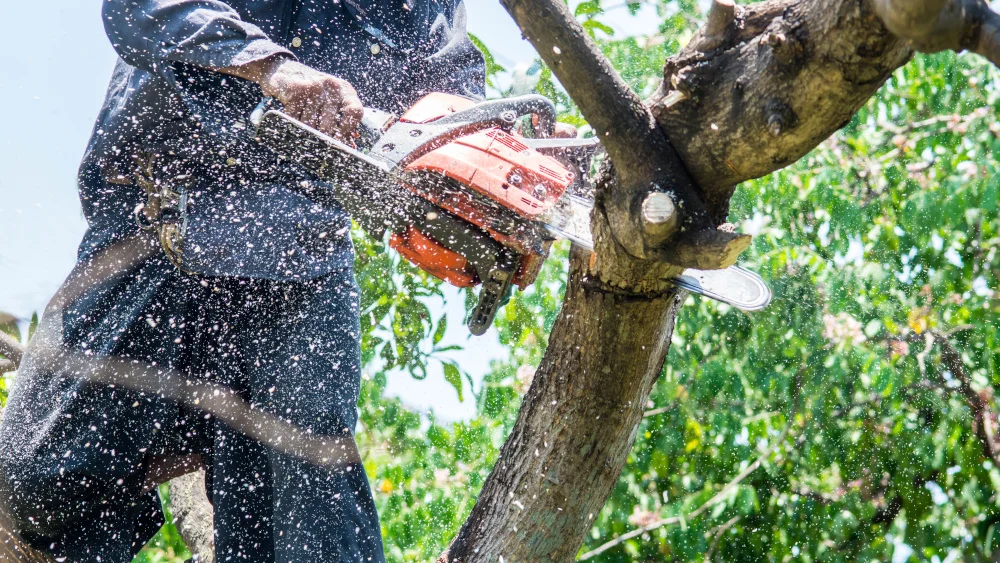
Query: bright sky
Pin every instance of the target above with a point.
(51, 88)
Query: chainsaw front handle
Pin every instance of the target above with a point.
(508, 110)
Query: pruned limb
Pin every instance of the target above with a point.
(719, 27)
(660, 218)
(938, 25)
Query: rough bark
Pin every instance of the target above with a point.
(193, 515)
(575, 428)
(938, 25)
(787, 75)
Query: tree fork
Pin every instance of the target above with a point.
(642, 154)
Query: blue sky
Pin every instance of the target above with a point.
(51, 88)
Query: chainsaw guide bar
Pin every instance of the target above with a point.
(465, 198)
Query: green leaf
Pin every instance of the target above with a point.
(32, 325)
(492, 67)
(589, 8)
(592, 26)
(454, 376)
(442, 326)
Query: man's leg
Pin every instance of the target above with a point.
(73, 457)
(305, 368)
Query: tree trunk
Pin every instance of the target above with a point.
(193, 515)
(575, 428)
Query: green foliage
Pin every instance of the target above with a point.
(886, 231)
(167, 546)
(853, 441)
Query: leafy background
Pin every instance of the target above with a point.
(829, 427)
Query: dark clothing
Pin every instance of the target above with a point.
(162, 98)
(271, 310)
(75, 452)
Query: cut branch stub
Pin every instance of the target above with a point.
(660, 218)
(710, 249)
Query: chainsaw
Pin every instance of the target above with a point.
(464, 196)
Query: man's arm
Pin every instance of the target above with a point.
(154, 35)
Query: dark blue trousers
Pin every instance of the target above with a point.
(75, 450)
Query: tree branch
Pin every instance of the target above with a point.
(787, 74)
(938, 25)
(11, 349)
(718, 536)
(982, 416)
(643, 157)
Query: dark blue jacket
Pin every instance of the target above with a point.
(245, 220)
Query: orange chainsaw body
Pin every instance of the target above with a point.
(487, 168)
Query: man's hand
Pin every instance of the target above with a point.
(322, 101)
(317, 99)
(564, 131)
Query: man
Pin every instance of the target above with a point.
(205, 273)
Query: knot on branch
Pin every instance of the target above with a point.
(788, 49)
(781, 117)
